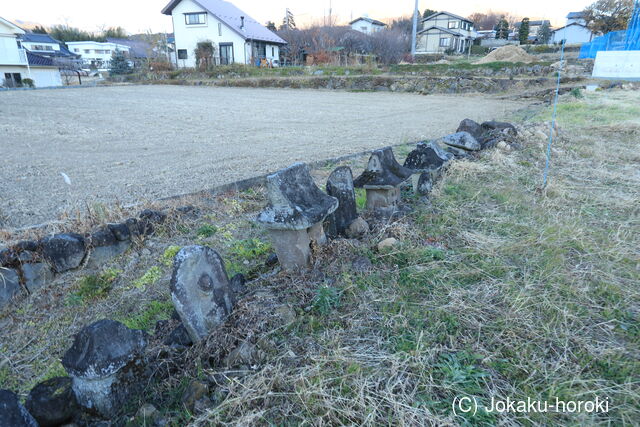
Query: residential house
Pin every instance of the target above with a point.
(534, 29)
(97, 55)
(236, 37)
(574, 32)
(367, 25)
(45, 45)
(18, 64)
(445, 32)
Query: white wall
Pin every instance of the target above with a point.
(365, 27)
(81, 48)
(622, 65)
(10, 54)
(50, 47)
(574, 34)
(42, 76)
(188, 36)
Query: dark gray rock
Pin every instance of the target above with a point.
(153, 216)
(26, 256)
(424, 184)
(106, 363)
(502, 127)
(52, 402)
(427, 157)
(102, 237)
(12, 413)
(271, 260)
(295, 201)
(134, 227)
(358, 228)
(471, 127)
(340, 186)
(64, 251)
(462, 140)
(120, 231)
(200, 290)
(383, 171)
(28, 245)
(36, 275)
(459, 153)
(9, 285)
(104, 247)
(179, 337)
(8, 257)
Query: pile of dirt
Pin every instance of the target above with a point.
(509, 53)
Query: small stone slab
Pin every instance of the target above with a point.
(106, 364)
(9, 285)
(36, 275)
(340, 186)
(503, 127)
(462, 140)
(64, 251)
(200, 290)
(383, 172)
(12, 413)
(104, 247)
(295, 201)
(52, 402)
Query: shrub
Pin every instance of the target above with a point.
(28, 83)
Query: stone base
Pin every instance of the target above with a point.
(292, 247)
(386, 198)
(317, 234)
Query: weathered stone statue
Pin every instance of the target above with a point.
(382, 179)
(200, 290)
(297, 208)
(106, 364)
(340, 186)
(427, 162)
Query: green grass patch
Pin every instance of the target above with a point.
(149, 278)
(146, 318)
(169, 254)
(94, 287)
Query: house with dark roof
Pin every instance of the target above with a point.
(367, 25)
(236, 38)
(18, 64)
(45, 45)
(445, 32)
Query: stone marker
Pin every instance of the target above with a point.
(200, 290)
(462, 140)
(12, 413)
(64, 251)
(52, 402)
(297, 208)
(382, 179)
(427, 161)
(9, 285)
(107, 366)
(36, 275)
(340, 186)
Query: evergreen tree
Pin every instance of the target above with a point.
(39, 29)
(544, 35)
(523, 31)
(288, 22)
(271, 26)
(120, 64)
(502, 29)
(428, 12)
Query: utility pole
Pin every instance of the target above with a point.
(330, 12)
(415, 31)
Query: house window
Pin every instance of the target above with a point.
(195, 18)
(453, 24)
(364, 29)
(273, 51)
(182, 54)
(220, 29)
(19, 44)
(445, 41)
(12, 79)
(107, 51)
(87, 51)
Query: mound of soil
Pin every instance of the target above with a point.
(509, 53)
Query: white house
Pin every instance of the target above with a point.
(96, 54)
(574, 32)
(45, 45)
(444, 31)
(367, 25)
(236, 37)
(17, 63)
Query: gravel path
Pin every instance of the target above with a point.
(129, 143)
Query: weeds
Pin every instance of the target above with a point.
(149, 278)
(326, 300)
(149, 315)
(206, 231)
(169, 254)
(94, 287)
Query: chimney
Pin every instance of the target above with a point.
(242, 22)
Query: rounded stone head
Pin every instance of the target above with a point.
(103, 348)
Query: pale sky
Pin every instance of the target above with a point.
(142, 15)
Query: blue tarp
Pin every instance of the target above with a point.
(616, 40)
